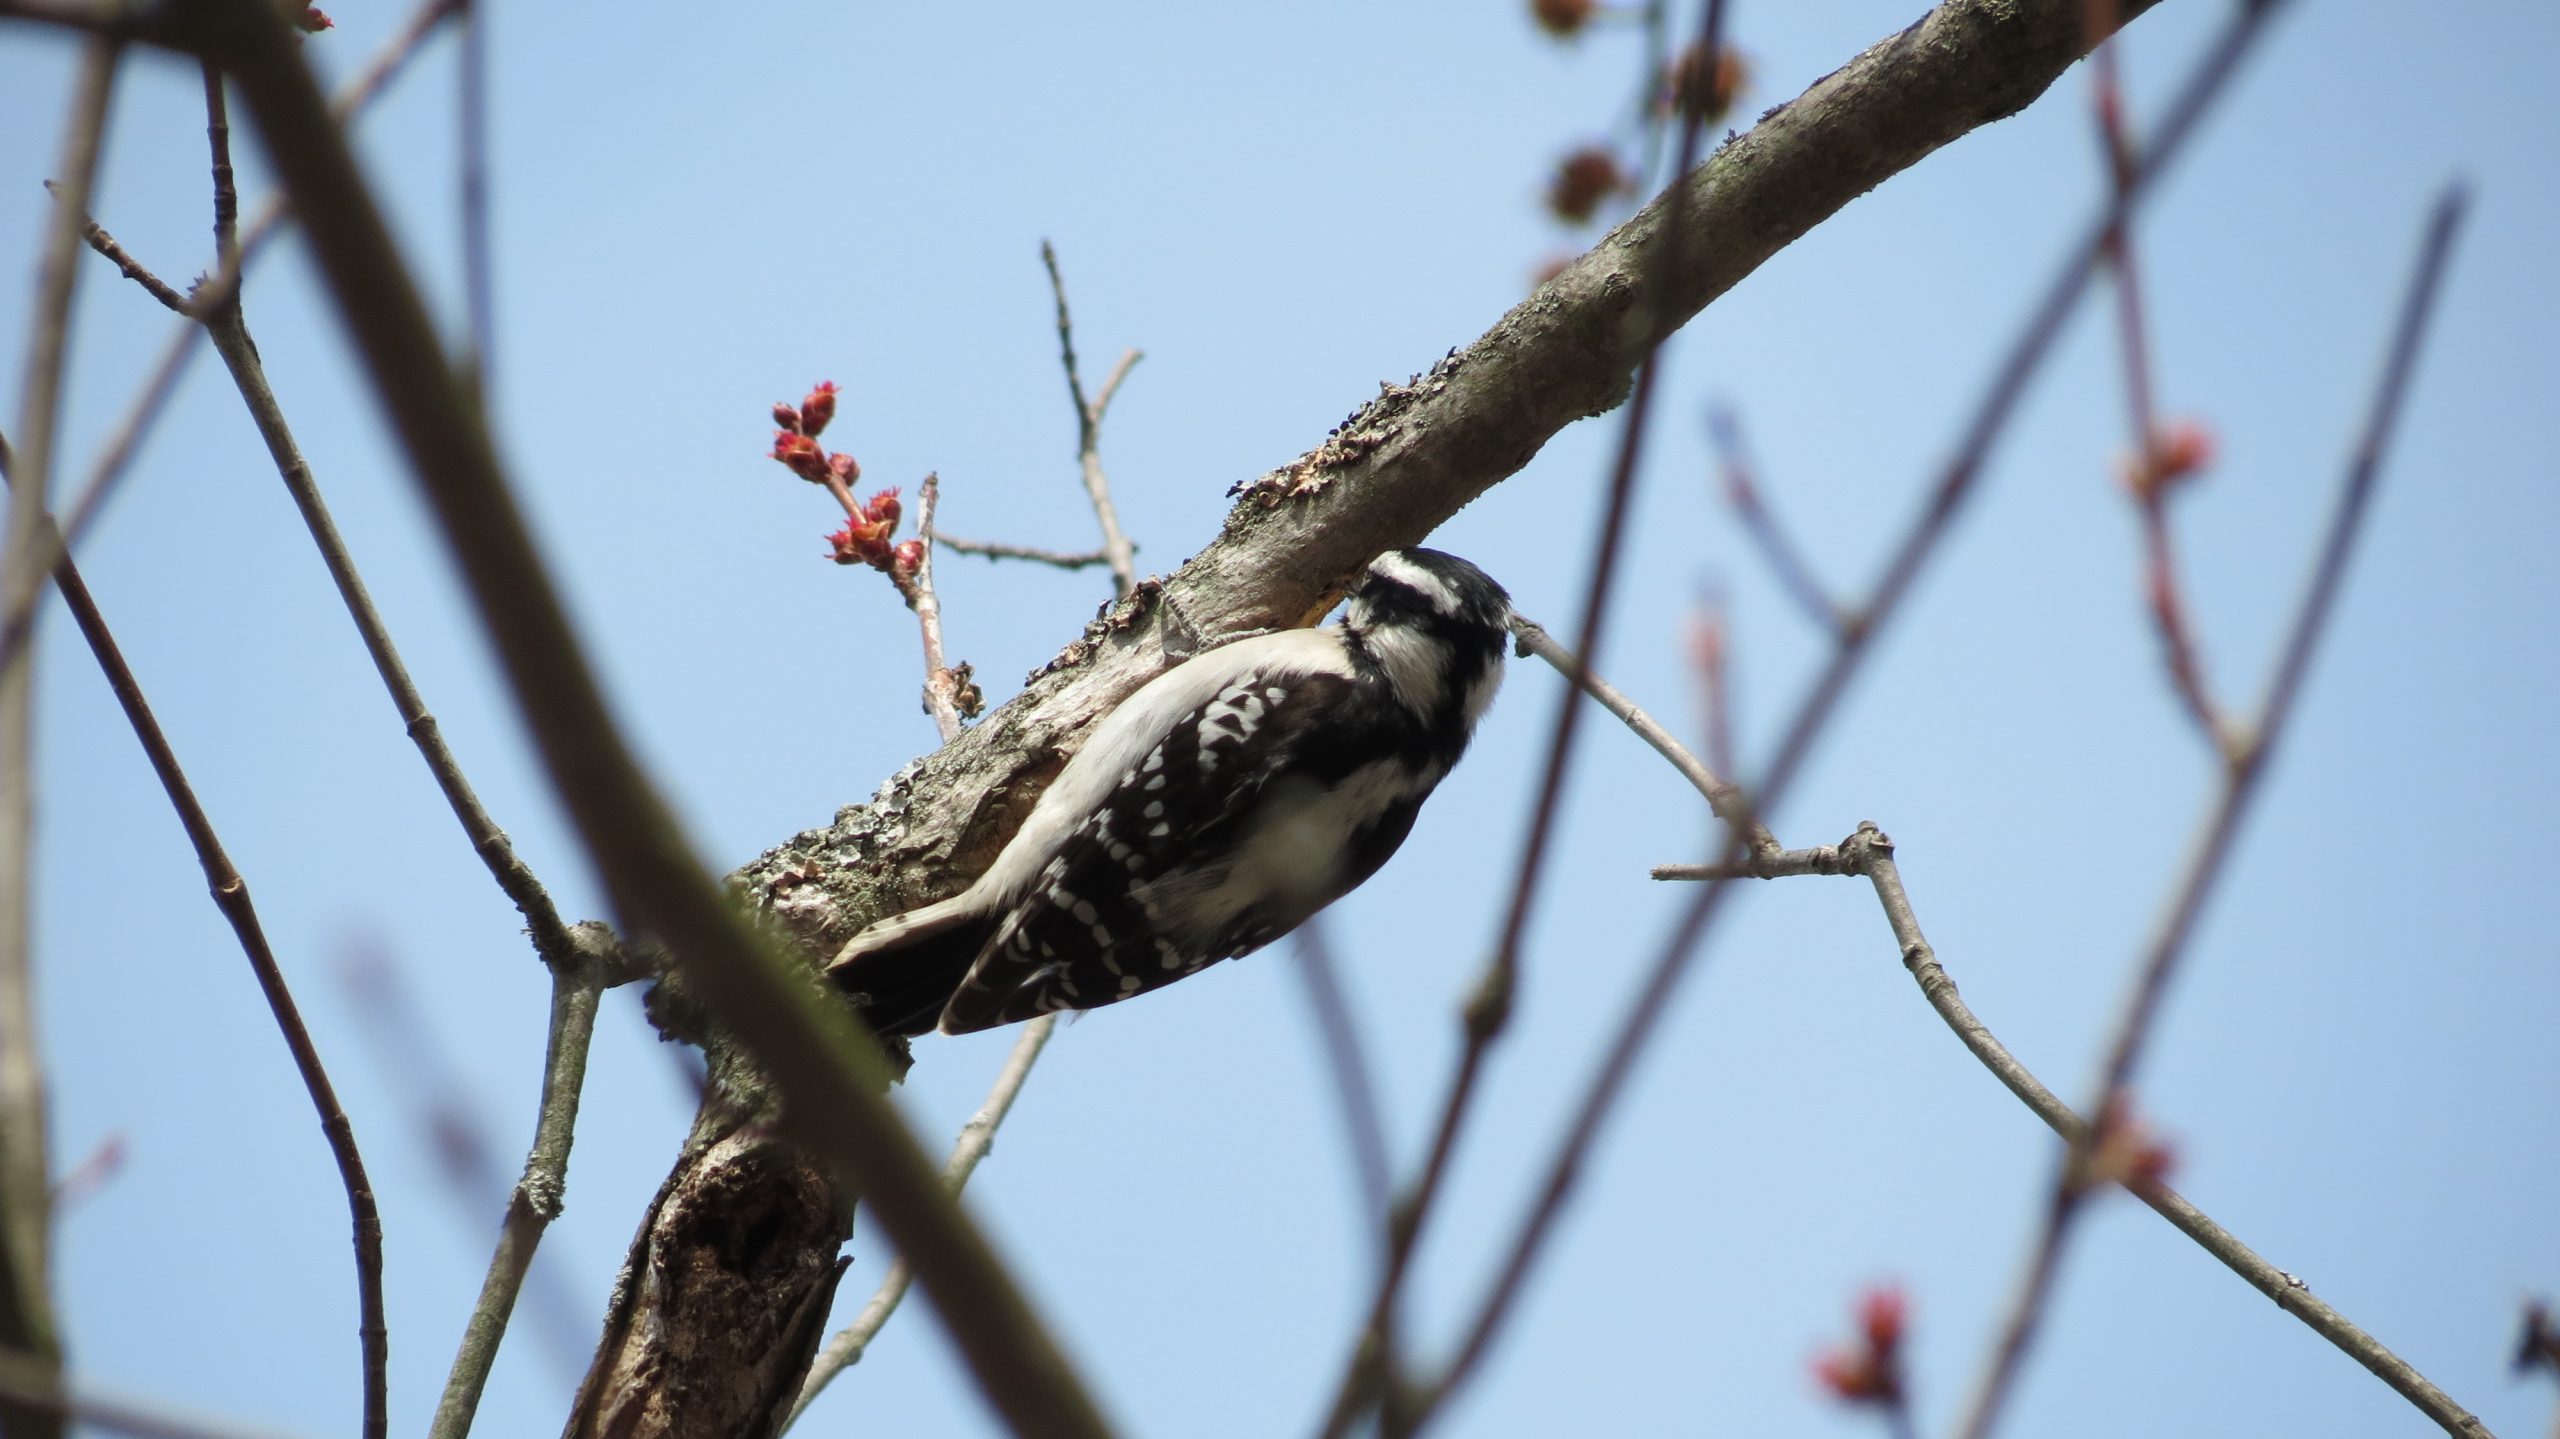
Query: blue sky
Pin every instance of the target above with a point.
(697, 216)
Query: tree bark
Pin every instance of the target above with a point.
(719, 1305)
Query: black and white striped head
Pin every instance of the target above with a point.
(1437, 626)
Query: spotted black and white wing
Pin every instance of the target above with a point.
(1254, 810)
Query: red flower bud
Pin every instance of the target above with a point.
(1562, 17)
(786, 418)
(1582, 180)
(313, 20)
(842, 466)
(907, 558)
(819, 408)
(802, 455)
(883, 507)
(1703, 87)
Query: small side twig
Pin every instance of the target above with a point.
(1726, 798)
(977, 1137)
(2206, 862)
(1000, 550)
(1116, 548)
(132, 269)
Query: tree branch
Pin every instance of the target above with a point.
(26, 1222)
(2206, 862)
(231, 896)
(1097, 487)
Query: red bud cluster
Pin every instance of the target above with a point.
(865, 538)
(1870, 1370)
(2129, 1152)
(1582, 180)
(1701, 87)
(2178, 450)
(1562, 18)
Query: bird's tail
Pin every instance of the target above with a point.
(902, 971)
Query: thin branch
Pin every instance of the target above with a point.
(999, 550)
(26, 1223)
(537, 1198)
(1355, 1086)
(976, 1138)
(1727, 800)
(1097, 487)
(131, 268)
(231, 896)
(1786, 561)
(941, 686)
(2207, 861)
(801, 1039)
(1920, 544)
(551, 937)
(151, 401)
(1872, 853)
(31, 1383)
(2149, 478)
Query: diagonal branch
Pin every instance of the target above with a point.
(231, 896)
(802, 1040)
(1921, 543)
(2207, 861)
(26, 1221)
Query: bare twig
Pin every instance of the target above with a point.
(131, 268)
(1726, 799)
(977, 1137)
(1097, 487)
(26, 1264)
(941, 686)
(1354, 1084)
(152, 399)
(1786, 561)
(1921, 543)
(1871, 853)
(231, 896)
(999, 550)
(2148, 478)
(2206, 861)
